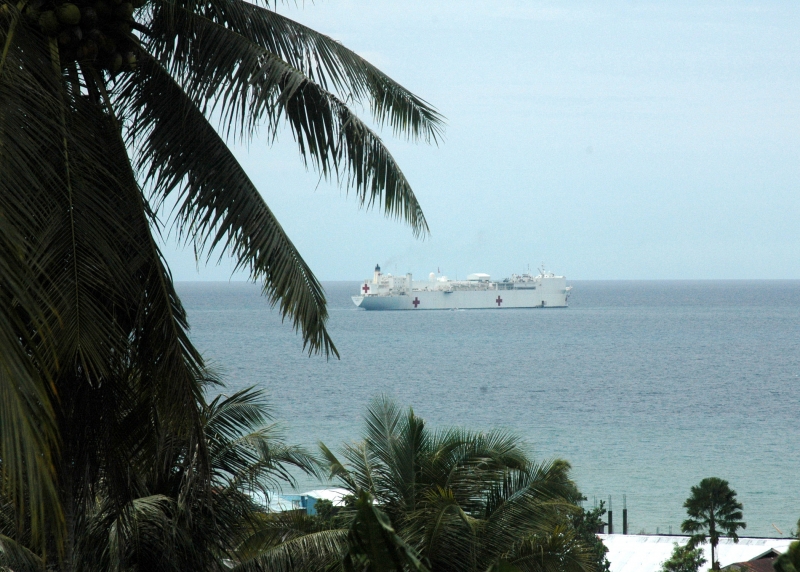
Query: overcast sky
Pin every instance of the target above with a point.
(610, 140)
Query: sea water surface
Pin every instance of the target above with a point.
(644, 387)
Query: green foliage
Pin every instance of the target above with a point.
(684, 558)
(789, 561)
(586, 523)
(463, 501)
(105, 117)
(713, 512)
(175, 519)
(325, 510)
(373, 545)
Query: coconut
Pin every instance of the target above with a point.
(116, 62)
(77, 33)
(130, 60)
(49, 23)
(69, 14)
(65, 37)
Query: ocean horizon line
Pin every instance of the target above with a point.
(682, 280)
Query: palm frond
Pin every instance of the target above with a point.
(556, 551)
(29, 108)
(329, 64)
(373, 543)
(246, 455)
(445, 534)
(242, 412)
(464, 500)
(115, 298)
(140, 531)
(14, 556)
(219, 205)
(264, 88)
(337, 469)
(290, 541)
(368, 473)
(531, 503)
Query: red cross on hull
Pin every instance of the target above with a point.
(365, 288)
(499, 301)
(416, 301)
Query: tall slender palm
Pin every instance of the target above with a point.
(464, 501)
(105, 111)
(713, 512)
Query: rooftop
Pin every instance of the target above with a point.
(646, 553)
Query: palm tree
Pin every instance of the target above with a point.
(174, 520)
(105, 109)
(713, 512)
(291, 541)
(463, 501)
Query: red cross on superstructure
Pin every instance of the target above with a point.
(415, 302)
(365, 288)
(499, 301)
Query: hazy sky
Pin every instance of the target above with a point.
(611, 140)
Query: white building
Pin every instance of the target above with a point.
(646, 553)
(304, 501)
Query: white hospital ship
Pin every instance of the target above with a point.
(387, 292)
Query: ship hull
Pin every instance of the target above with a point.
(466, 300)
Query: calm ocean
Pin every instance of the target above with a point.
(645, 387)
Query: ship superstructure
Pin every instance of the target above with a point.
(478, 291)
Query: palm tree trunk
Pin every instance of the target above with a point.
(712, 537)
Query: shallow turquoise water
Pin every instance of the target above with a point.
(645, 387)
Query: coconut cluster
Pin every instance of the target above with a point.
(90, 30)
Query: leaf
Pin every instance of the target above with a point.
(327, 63)
(218, 204)
(373, 543)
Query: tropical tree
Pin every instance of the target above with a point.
(684, 558)
(789, 561)
(586, 523)
(175, 520)
(462, 500)
(363, 541)
(713, 512)
(105, 116)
